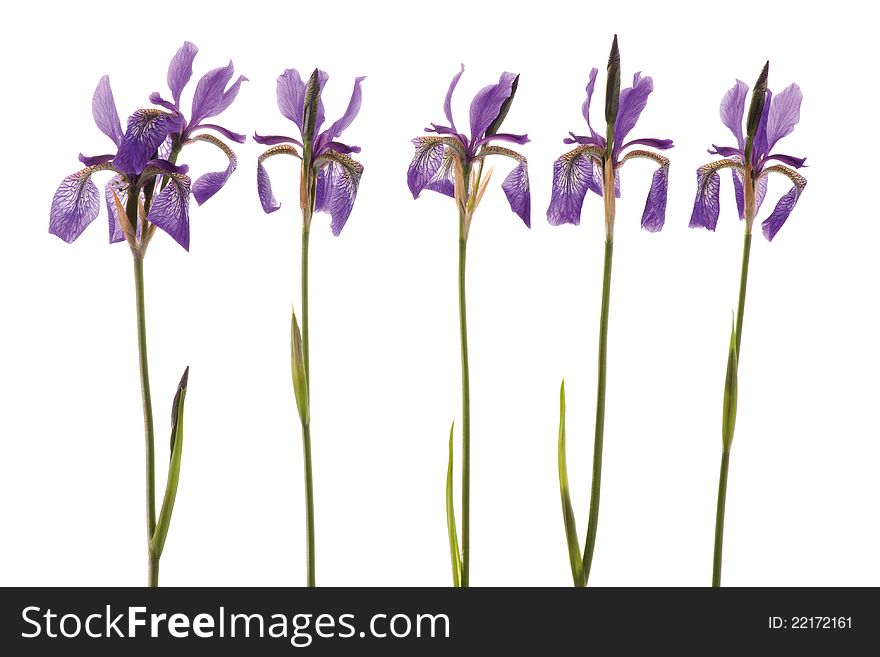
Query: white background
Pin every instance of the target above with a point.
(803, 496)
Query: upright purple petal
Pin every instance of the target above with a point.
(104, 111)
(585, 108)
(354, 106)
(784, 114)
(147, 130)
(291, 92)
(732, 109)
(180, 70)
(211, 96)
(572, 176)
(75, 204)
(516, 189)
(425, 163)
(447, 103)
(170, 209)
(774, 222)
(486, 105)
(632, 101)
(654, 215)
(707, 203)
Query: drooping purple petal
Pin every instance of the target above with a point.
(732, 109)
(654, 215)
(707, 203)
(272, 140)
(233, 136)
(516, 189)
(75, 204)
(147, 129)
(264, 185)
(180, 70)
(291, 92)
(170, 209)
(425, 163)
(104, 111)
(784, 114)
(774, 222)
(632, 101)
(119, 185)
(447, 103)
(211, 96)
(572, 176)
(211, 183)
(340, 187)
(486, 105)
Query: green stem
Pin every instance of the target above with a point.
(719, 518)
(600, 413)
(306, 427)
(725, 455)
(466, 416)
(153, 562)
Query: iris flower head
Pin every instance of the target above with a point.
(754, 157)
(599, 157)
(330, 177)
(145, 160)
(451, 162)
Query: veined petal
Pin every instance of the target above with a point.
(157, 99)
(585, 108)
(516, 184)
(503, 136)
(425, 163)
(632, 101)
(790, 160)
(487, 104)
(264, 185)
(784, 114)
(340, 187)
(210, 183)
(447, 103)
(147, 130)
(661, 144)
(781, 212)
(572, 176)
(272, 140)
(211, 96)
(76, 204)
(654, 215)
(92, 160)
(707, 203)
(726, 151)
(104, 111)
(732, 109)
(170, 209)
(180, 70)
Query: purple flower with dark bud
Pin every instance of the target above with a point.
(445, 163)
(146, 161)
(595, 164)
(329, 177)
(752, 160)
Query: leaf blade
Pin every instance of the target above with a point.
(454, 551)
(568, 517)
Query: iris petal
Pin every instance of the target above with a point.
(707, 203)
(104, 111)
(75, 205)
(516, 189)
(170, 209)
(632, 102)
(732, 110)
(180, 69)
(210, 183)
(425, 163)
(487, 104)
(264, 185)
(340, 187)
(572, 176)
(147, 129)
(784, 114)
(447, 103)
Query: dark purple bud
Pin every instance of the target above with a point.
(502, 113)
(759, 96)
(612, 90)
(310, 107)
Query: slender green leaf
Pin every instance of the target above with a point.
(574, 550)
(298, 370)
(454, 551)
(157, 544)
(728, 422)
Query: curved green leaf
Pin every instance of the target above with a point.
(454, 552)
(574, 550)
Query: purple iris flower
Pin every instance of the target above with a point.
(330, 178)
(445, 163)
(585, 167)
(753, 159)
(145, 161)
